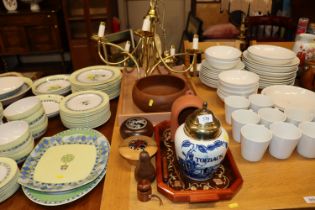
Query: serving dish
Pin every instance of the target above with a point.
(70, 148)
(287, 96)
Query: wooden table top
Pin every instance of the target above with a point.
(268, 184)
(92, 200)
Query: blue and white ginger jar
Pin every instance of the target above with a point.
(200, 144)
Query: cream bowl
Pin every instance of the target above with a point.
(22, 108)
(223, 64)
(238, 78)
(9, 86)
(13, 133)
(223, 53)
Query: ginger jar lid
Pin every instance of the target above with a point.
(202, 124)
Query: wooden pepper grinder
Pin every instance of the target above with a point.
(144, 168)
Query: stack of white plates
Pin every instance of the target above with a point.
(51, 104)
(19, 92)
(56, 84)
(237, 82)
(9, 174)
(208, 75)
(16, 141)
(32, 111)
(275, 65)
(79, 164)
(85, 109)
(103, 78)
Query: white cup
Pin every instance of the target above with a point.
(297, 115)
(306, 146)
(285, 137)
(269, 115)
(258, 101)
(254, 141)
(232, 103)
(240, 118)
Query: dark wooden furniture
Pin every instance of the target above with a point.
(82, 19)
(270, 28)
(28, 33)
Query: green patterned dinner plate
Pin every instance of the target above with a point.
(65, 161)
(95, 75)
(59, 198)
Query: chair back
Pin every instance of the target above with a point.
(270, 28)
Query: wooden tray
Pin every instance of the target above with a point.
(129, 109)
(224, 184)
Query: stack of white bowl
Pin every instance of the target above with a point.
(8, 180)
(85, 109)
(218, 59)
(237, 82)
(103, 78)
(32, 111)
(275, 65)
(55, 84)
(16, 141)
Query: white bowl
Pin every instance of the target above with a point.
(271, 53)
(13, 133)
(238, 78)
(222, 64)
(224, 53)
(22, 108)
(9, 86)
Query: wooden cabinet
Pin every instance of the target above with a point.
(26, 32)
(82, 19)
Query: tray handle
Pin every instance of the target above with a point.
(203, 198)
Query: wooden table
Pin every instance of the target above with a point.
(91, 201)
(268, 184)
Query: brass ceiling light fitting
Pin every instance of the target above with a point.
(148, 52)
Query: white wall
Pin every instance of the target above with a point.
(131, 13)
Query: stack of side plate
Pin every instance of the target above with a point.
(27, 84)
(51, 104)
(273, 64)
(208, 75)
(85, 109)
(103, 78)
(9, 174)
(56, 84)
(32, 111)
(79, 164)
(237, 82)
(16, 141)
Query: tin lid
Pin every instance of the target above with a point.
(202, 124)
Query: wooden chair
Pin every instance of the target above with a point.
(270, 28)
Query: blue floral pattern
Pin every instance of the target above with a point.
(196, 167)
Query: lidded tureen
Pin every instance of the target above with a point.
(200, 144)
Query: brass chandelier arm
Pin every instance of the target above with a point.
(169, 68)
(101, 46)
